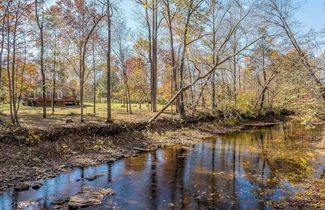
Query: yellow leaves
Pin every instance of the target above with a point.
(31, 69)
(303, 160)
(147, 3)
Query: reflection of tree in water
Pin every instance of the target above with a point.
(153, 180)
(250, 155)
(260, 171)
(109, 172)
(178, 193)
(280, 158)
(255, 164)
(215, 179)
(288, 153)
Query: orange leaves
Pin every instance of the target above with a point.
(134, 64)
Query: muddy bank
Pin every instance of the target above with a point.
(29, 155)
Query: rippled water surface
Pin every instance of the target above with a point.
(241, 170)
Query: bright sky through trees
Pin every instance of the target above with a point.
(311, 15)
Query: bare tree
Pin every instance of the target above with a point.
(152, 30)
(279, 13)
(223, 44)
(169, 16)
(121, 51)
(2, 41)
(40, 23)
(109, 14)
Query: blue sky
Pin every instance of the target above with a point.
(312, 14)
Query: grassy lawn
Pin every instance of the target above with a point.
(31, 117)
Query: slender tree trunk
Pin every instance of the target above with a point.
(154, 78)
(235, 77)
(181, 109)
(9, 75)
(14, 78)
(13, 72)
(94, 79)
(150, 41)
(264, 80)
(169, 20)
(53, 92)
(129, 98)
(94, 95)
(214, 44)
(1, 50)
(82, 99)
(127, 90)
(54, 77)
(40, 24)
(82, 66)
(192, 88)
(108, 63)
(213, 92)
(81, 84)
(126, 98)
(5, 15)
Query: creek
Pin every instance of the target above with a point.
(240, 170)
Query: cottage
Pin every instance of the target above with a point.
(64, 96)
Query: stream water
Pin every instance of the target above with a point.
(240, 170)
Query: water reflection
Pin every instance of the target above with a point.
(238, 171)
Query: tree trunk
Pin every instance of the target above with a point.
(9, 75)
(94, 79)
(94, 96)
(13, 73)
(129, 98)
(213, 92)
(40, 24)
(5, 15)
(54, 78)
(108, 63)
(53, 92)
(181, 108)
(82, 99)
(154, 78)
(82, 66)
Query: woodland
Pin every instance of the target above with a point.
(231, 92)
(236, 58)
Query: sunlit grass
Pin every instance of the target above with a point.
(32, 116)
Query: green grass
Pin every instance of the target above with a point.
(32, 116)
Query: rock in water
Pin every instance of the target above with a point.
(60, 201)
(91, 178)
(37, 185)
(89, 196)
(22, 187)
